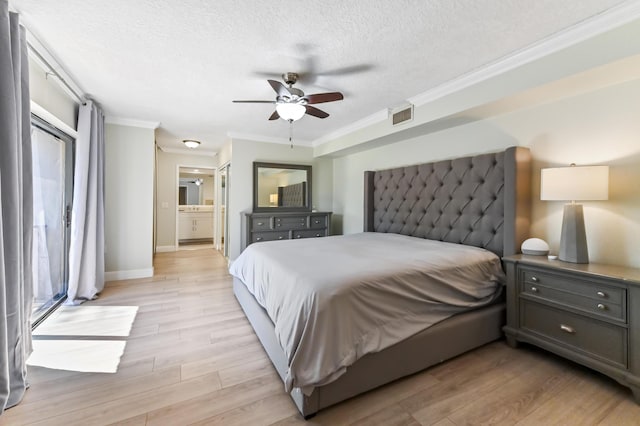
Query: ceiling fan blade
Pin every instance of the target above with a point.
(254, 102)
(280, 88)
(319, 98)
(316, 112)
(274, 116)
(353, 69)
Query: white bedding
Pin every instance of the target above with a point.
(335, 299)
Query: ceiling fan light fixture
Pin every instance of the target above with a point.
(289, 111)
(190, 143)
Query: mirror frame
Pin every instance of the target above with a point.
(258, 164)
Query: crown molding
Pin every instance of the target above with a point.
(268, 139)
(596, 25)
(121, 121)
(187, 151)
(369, 120)
(606, 21)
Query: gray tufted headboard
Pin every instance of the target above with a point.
(293, 195)
(482, 201)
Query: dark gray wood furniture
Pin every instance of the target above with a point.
(588, 313)
(272, 226)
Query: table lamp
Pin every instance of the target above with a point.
(574, 184)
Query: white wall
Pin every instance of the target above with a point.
(167, 193)
(129, 164)
(224, 155)
(594, 127)
(207, 191)
(245, 152)
(47, 93)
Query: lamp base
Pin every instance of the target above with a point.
(573, 240)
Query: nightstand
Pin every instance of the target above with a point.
(589, 313)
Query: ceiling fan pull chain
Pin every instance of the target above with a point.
(291, 133)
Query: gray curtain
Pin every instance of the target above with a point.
(86, 252)
(16, 202)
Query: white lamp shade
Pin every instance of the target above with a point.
(273, 198)
(290, 111)
(575, 183)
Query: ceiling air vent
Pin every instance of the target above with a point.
(402, 114)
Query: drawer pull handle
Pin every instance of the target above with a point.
(316, 222)
(534, 289)
(260, 223)
(318, 235)
(601, 294)
(298, 236)
(534, 279)
(601, 306)
(259, 239)
(280, 237)
(567, 329)
(278, 225)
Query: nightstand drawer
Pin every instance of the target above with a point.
(290, 222)
(269, 236)
(260, 223)
(591, 297)
(601, 307)
(596, 291)
(310, 233)
(595, 338)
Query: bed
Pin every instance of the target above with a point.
(478, 204)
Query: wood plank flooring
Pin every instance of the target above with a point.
(192, 358)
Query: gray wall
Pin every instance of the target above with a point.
(129, 164)
(244, 153)
(597, 127)
(167, 194)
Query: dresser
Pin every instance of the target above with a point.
(589, 313)
(257, 227)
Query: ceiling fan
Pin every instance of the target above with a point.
(291, 103)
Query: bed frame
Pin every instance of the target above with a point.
(482, 201)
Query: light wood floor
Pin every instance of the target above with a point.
(192, 358)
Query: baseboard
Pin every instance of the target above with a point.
(164, 249)
(128, 275)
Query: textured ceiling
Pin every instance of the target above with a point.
(182, 62)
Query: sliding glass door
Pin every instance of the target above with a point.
(223, 211)
(52, 194)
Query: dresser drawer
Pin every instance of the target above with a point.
(589, 296)
(592, 337)
(269, 236)
(291, 222)
(318, 221)
(310, 233)
(260, 223)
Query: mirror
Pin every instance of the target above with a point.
(281, 187)
(196, 187)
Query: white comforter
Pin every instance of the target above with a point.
(335, 299)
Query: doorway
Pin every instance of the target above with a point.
(52, 157)
(196, 206)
